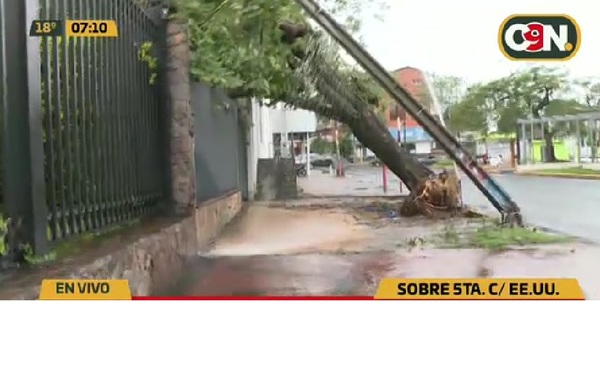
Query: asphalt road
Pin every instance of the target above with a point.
(569, 206)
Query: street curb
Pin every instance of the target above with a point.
(487, 170)
(559, 175)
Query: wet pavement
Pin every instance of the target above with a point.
(345, 245)
(570, 206)
(358, 273)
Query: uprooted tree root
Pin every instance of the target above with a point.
(438, 195)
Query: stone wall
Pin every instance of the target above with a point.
(151, 261)
(181, 145)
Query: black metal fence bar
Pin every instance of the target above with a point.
(22, 144)
(99, 168)
(81, 120)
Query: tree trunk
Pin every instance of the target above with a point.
(549, 156)
(359, 115)
(518, 146)
(373, 133)
(384, 146)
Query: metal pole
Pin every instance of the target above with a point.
(594, 134)
(384, 178)
(532, 144)
(398, 126)
(21, 114)
(545, 151)
(283, 138)
(339, 169)
(523, 143)
(308, 154)
(578, 136)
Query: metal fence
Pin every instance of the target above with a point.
(82, 123)
(220, 143)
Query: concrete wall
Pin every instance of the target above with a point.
(260, 141)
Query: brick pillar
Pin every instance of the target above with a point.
(181, 124)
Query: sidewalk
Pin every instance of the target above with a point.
(345, 244)
(322, 183)
(584, 171)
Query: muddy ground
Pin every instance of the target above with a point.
(346, 245)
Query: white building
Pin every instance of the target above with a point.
(267, 121)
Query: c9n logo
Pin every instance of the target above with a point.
(539, 37)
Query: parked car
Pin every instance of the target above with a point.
(376, 162)
(322, 161)
(426, 161)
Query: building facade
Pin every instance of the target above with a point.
(414, 81)
(268, 132)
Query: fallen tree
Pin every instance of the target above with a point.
(356, 109)
(251, 52)
(430, 193)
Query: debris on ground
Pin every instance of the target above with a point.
(438, 195)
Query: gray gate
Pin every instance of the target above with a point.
(219, 144)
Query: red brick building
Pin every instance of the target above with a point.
(413, 80)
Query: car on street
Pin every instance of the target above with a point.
(375, 162)
(322, 161)
(426, 161)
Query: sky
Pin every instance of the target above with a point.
(459, 37)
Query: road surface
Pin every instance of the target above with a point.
(569, 206)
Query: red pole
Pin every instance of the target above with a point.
(399, 143)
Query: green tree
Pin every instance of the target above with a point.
(321, 146)
(237, 44)
(466, 115)
(526, 93)
(448, 90)
(589, 90)
(346, 145)
(254, 49)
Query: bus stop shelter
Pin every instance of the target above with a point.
(576, 136)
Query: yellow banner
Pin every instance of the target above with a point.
(93, 290)
(91, 28)
(480, 289)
